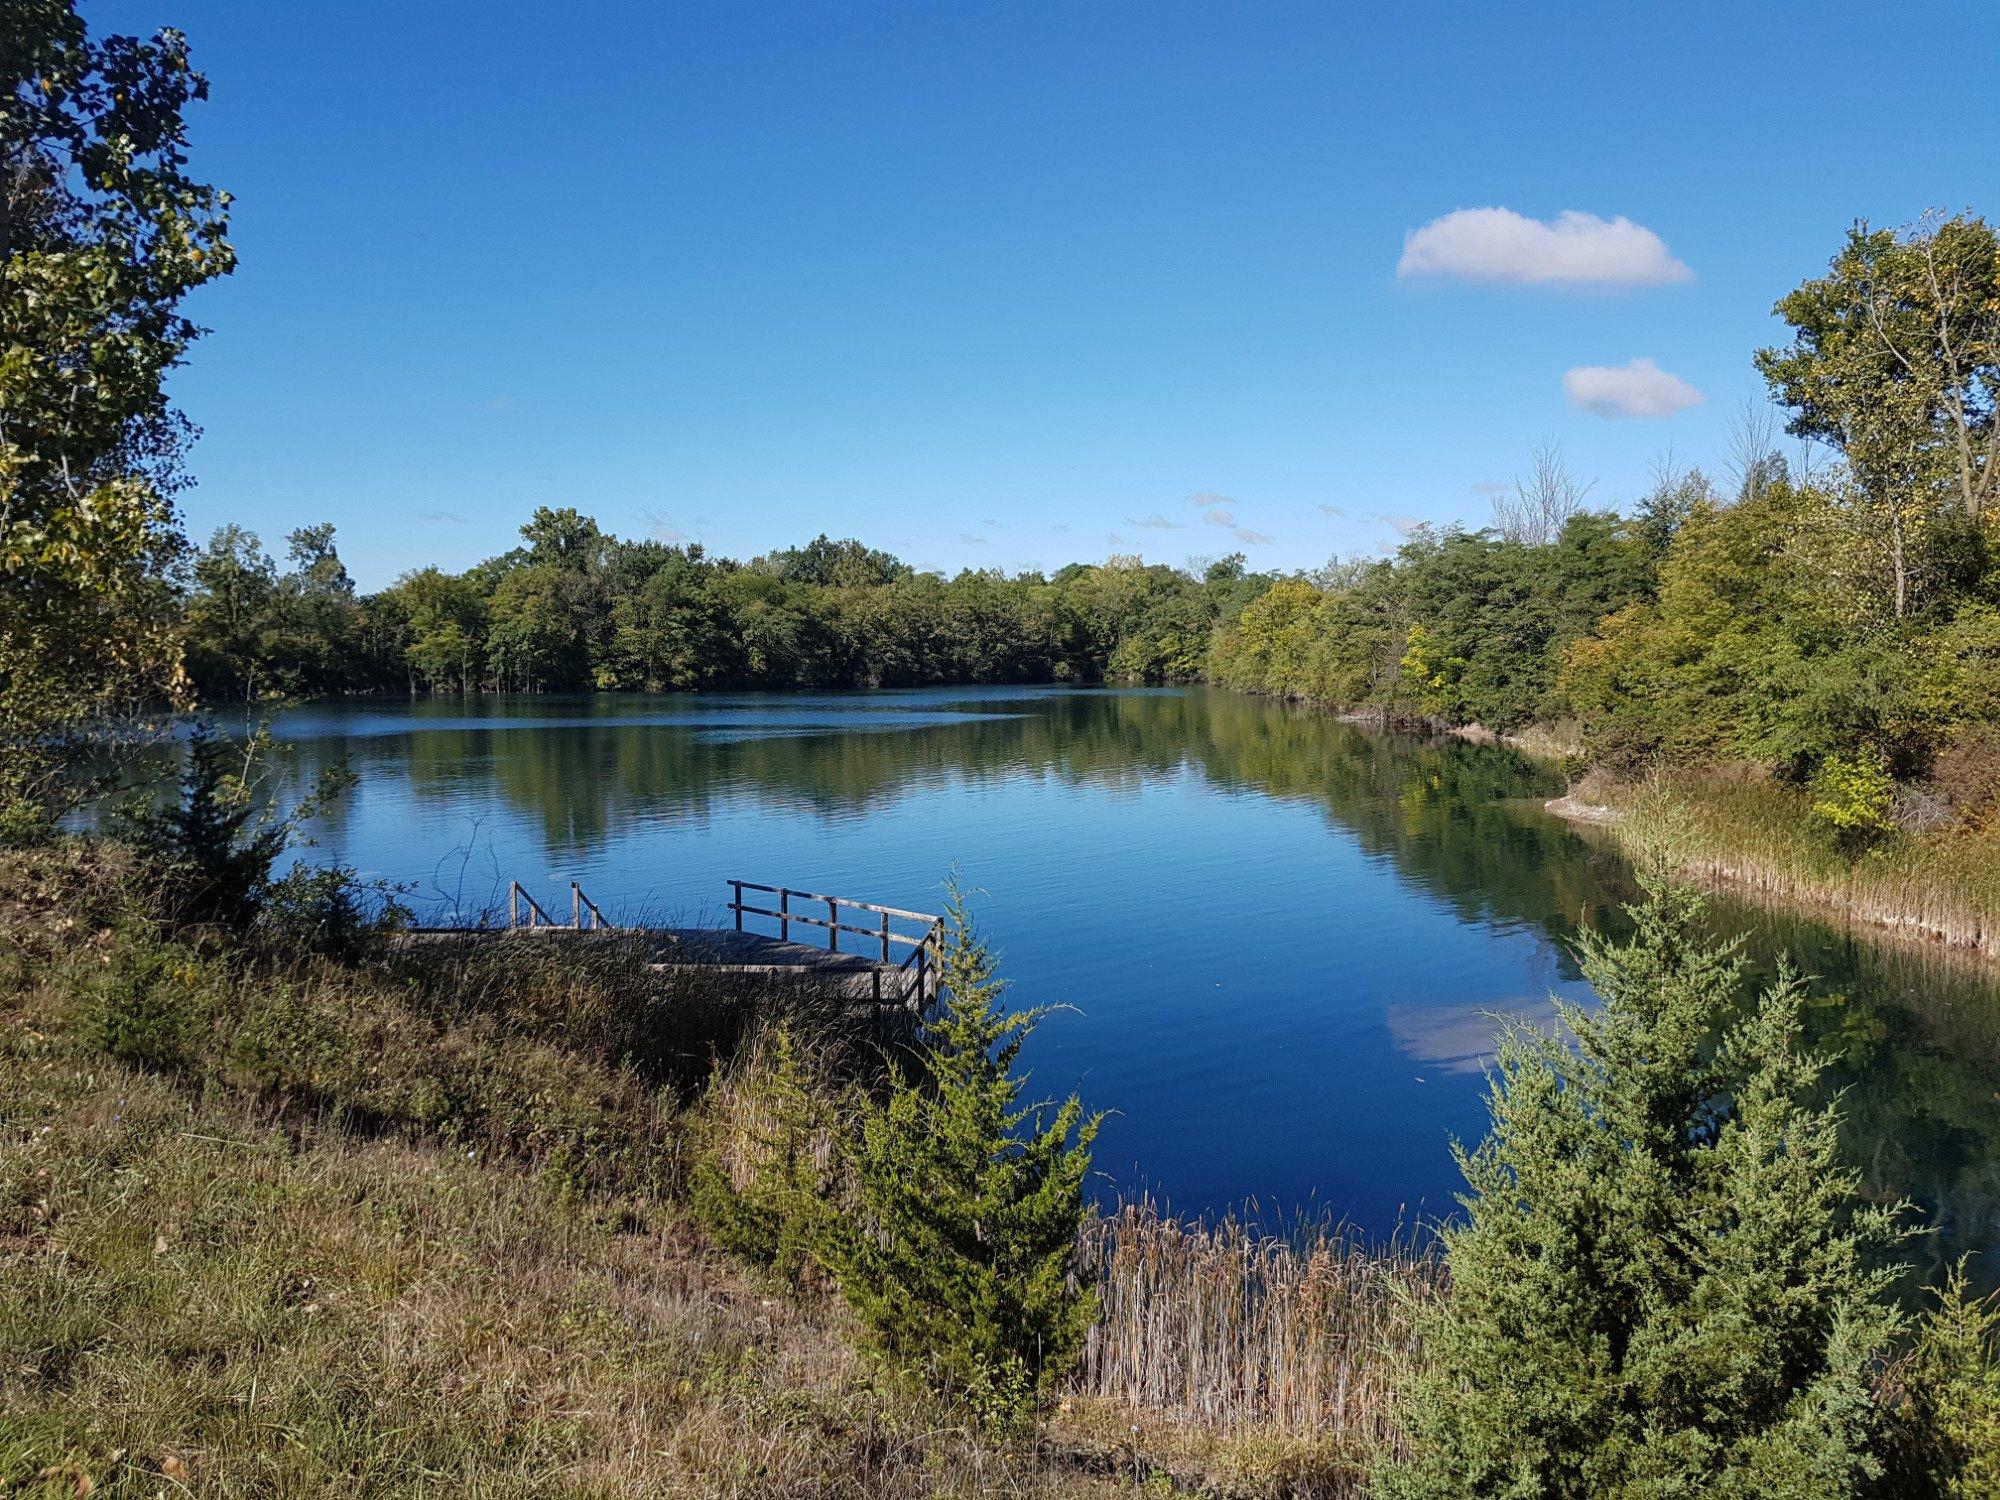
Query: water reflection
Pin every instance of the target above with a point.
(1276, 923)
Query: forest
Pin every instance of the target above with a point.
(1832, 617)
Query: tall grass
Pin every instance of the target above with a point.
(415, 1223)
(1755, 834)
(1221, 1325)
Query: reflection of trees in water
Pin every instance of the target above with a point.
(1915, 1035)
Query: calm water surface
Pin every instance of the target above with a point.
(1284, 937)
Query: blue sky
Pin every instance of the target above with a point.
(990, 284)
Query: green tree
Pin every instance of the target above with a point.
(564, 538)
(233, 614)
(1663, 1284)
(316, 639)
(963, 1264)
(1895, 363)
(102, 234)
(444, 628)
(215, 845)
(1947, 1432)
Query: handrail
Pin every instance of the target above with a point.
(538, 917)
(578, 904)
(925, 947)
(778, 890)
(516, 894)
(916, 977)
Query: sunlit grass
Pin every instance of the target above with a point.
(1754, 834)
(416, 1228)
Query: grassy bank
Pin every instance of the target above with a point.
(414, 1224)
(1754, 834)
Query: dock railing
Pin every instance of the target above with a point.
(916, 975)
(520, 904)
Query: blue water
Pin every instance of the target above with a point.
(1284, 938)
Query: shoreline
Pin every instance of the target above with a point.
(1838, 902)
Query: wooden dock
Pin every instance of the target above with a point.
(891, 958)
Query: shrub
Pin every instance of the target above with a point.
(1966, 775)
(1662, 1284)
(964, 1268)
(1854, 796)
(330, 909)
(150, 1004)
(763, 1186)
(1948, 1428)
(212, 845)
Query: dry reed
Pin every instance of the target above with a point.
(1755, 836)
(1231, 1328)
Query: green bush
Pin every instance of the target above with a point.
(1663, 1284)
(763, 1186)
(1947, 1437)
(963, 1266)
(1852, 796)
(151, 1004)
(330, 909)
(212, 846)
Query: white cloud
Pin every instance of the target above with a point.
(970, 540)
(1332, 510)
(1404, 524)
(1639, 388)
(1252, 538)
(1499, 247)
(1113, 539)
(1208, 498)
(441, 515)
(1492, 488)
(1220, 517)
(1155, 522)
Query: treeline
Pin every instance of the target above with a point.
(574, 609)
(1836, 618)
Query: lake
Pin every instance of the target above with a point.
(1283, 936)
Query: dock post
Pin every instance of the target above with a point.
(784, 916)
(513, 903)
(832, 926)
(737, 887)
(885, 937)
(576, 906)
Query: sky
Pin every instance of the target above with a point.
(1014, 283)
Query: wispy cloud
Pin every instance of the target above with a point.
(1220, 517)
(499, 403)
(1252, 538)
(661, 528)
(440, 515)
(1332, 510)
(992, 525)
(1113, 539)
(1060, 526)
(970, 540)
(1404, 525)
(1498, 247)
(1492, 489)
(1155, 522)
(1638, 388)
